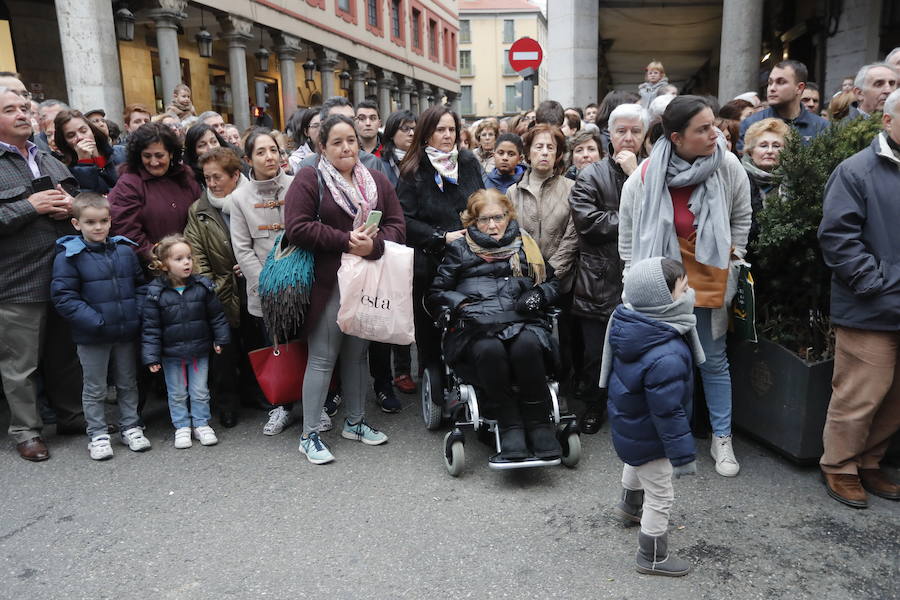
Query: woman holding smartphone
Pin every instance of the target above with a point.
(331, 209)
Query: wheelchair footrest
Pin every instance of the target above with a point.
(499, 463)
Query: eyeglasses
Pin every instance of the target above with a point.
(407, 129)
(491, 219)
(364, 118)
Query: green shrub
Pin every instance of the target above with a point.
(792, 282)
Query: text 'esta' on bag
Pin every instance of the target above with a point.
(376, 296)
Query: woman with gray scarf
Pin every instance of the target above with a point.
(763, 143)
(690, 201)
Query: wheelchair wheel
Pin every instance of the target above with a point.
(571, 447)
(432, 396)
(454, 455)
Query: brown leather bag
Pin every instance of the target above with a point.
(710, 283)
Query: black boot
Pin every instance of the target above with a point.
(512, 443)
(543, 442)
(631, 507)
(653, 557)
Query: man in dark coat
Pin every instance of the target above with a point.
(34, 212)
(859, 243)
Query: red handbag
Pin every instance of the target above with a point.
(280, 370)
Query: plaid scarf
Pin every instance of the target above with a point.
(537, 270)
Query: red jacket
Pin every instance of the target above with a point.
(327, 234)
(145, 208)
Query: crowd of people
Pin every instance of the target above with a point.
(134, 251)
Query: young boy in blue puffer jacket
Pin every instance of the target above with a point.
(648, 368)
(99, 287)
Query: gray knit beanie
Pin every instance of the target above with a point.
(645, 285)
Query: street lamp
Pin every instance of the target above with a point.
(204, 39)
(309, 70)
(124, 21)
(262, 55)
(345, 81)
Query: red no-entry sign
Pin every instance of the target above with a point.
(525, 53)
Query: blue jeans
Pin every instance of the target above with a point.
(715, 374)
(187, 377)
(95, 366)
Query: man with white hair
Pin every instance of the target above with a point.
(594, 201)
(860, 245)
(872, 86)
(893, 58)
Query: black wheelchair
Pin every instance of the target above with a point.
(446, 396)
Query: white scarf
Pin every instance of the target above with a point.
(224, 204)
(356, 200)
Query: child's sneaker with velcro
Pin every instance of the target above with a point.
(135, 439)
(100, 447)
(183, 438)
(206, 435)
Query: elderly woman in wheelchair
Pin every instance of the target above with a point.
(496, 287)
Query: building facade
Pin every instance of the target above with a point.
(487, 29)
(264, 55)
(719, 47)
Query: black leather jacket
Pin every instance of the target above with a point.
(595, 212)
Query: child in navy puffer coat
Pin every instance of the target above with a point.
(183, 320)
(648, 367)
(98, 287)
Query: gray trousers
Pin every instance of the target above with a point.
(326, 342)
(655, 478)
(33, 337)
(95, 366)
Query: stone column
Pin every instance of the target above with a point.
(87, 36)
(742, 22)
(453, 101)
(327, 61)
(439, 94)
(572, 50)
(385, 84)
(359, 71)
(167, 17)
(405, 90)
(424, 92)
(414, 101)
(287, 47)
(237, 32)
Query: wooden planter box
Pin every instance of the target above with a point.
(779, 399)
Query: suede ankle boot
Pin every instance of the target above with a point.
(512, 443)
(631, 507)
(653, 557)
(543, 442)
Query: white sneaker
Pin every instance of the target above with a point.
(206, 435)
(100, 447)
(279, 418)
(325, 423)
(135, 440)
(722, 452)
(183, 438)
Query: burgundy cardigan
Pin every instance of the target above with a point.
(327, 234)
(145, 208)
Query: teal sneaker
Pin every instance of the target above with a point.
(363, 432)
(315, 449)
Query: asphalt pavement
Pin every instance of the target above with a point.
(251, 518)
